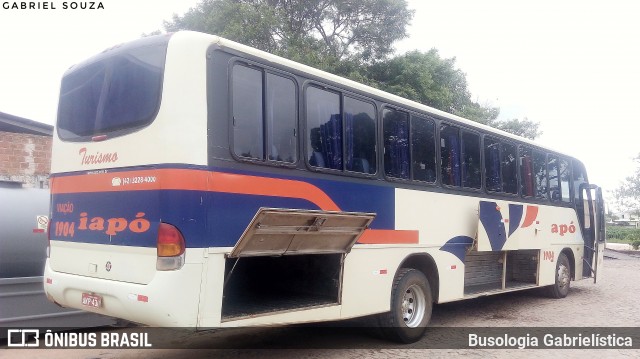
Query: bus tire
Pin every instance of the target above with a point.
(562, 284)
(411, 306)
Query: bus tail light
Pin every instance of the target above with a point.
(171, 248)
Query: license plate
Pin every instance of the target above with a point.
(91, 300)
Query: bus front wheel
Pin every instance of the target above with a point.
(562, 284)
(411, 306)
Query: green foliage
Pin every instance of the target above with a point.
(636, 244)
(364, 29)
(525, 127)
(627, 195)
(425, 78)
(623, 234)
(353, 39)
(429, 79)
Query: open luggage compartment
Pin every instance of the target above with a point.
(289, 260)
(495, 271)
(265, 285)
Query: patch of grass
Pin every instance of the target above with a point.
(623, 234)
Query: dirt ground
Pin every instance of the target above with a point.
(613, 302)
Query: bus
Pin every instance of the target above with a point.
(197, 182)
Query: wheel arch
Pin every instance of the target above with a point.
(572, 261)
(427, 265)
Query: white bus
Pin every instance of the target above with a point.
(197, 182)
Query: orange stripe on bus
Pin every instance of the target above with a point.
(388, 236)
(193, 180)
(263, 186)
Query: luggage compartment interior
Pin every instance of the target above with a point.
(266, 284)
(483, 272)
(522, 268)
(494, 271)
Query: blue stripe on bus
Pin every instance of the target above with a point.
(205, 218)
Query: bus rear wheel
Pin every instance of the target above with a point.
(411, 306)
(562, 284)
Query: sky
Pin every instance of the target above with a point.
(572, 66)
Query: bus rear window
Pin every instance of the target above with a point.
(114, 94)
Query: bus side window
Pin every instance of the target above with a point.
(247, 112)
(579, 177)
(526, 172)
(324, 145)
(396, 143)
(509, 169)
(471, 169)
(540, 174)
(360, 135)
(554, 180)
(281, 119)
(565, 179)
(450, 155)
(493, 179)
(423, 149)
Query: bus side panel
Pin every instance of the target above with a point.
(371, 269)
(439, 218)
(211, 289)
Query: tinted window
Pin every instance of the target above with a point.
(471, 172)
(526, 172)
(281, 119)
(423, 149)
(509, 168)
(554, 180)
(324, 125)
(247, 112)
(565, 179)
(396, 143)
(360, 135)
(579, 177)
(493, 178)
(79, 96)
(450, 155)
(113, 95)
(540, 174)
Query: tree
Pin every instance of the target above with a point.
(627, 195)
(429, 79)
(363, 29)
(525, 127)
(349, 38)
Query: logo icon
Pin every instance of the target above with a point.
(108, 266)
(116, 181)
(20, 337)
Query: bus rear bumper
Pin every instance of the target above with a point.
(169, 300)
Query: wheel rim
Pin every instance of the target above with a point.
(413, 306)
(563, 276)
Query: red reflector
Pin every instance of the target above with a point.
(99, 138)
(454, 267)
(143, 298)
(383, 271)
(38, 230)
(49, 281)
(170, 241)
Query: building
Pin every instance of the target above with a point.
(25, 152)
(626, 220)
